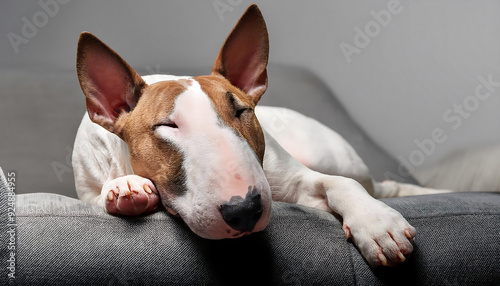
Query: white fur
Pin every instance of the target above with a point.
(98, 157)
(294, 130)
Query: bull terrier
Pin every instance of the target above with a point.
(201, 147)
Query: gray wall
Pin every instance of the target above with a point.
(408, 80)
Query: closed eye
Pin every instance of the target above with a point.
(166, 124)
(240, 111)
(237, 105)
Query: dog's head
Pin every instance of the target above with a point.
(197, 139)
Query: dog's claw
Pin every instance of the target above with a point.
(110, 196)
(401, 257)
(382, 259)
(147, 189)
(347, 231)
(408, 234)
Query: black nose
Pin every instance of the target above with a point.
(242, 214)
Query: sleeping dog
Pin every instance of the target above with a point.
(201, 147)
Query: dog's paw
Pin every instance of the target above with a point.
(381, 234)
(129, 195)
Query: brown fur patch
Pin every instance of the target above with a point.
(150, 156)
(247, 126)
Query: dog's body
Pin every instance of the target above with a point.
(196, 144)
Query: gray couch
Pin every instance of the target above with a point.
(60, 240)
(63, 241)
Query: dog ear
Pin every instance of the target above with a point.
(110, 85)
(243, 57)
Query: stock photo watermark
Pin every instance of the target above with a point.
(363, 37)
(225, 6)
(281, 120)
(11, 226)
(151, 71)
(454, 117)
(60, 169)
(30, 26)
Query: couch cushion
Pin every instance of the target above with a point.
(61, 240)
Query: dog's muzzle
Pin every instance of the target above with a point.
(243, 213)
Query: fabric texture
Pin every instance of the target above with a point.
(64, 241)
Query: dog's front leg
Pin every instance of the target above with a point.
(381, 234)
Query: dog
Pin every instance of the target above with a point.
(202, 148)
